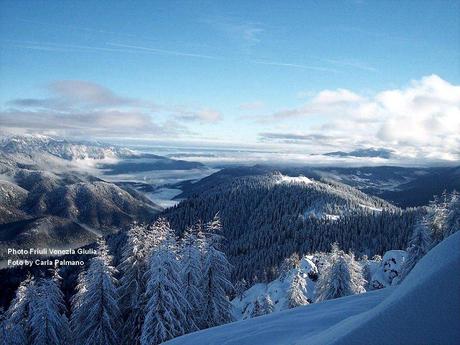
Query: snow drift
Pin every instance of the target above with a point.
(424, 309)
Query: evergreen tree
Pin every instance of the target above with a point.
(341, 276)
(17, 326)
(267, 305)
(10, 333)
(257, 309)
(437, 213)
(215, 285)
(3, 328)
(288, 264)
(367, 274)
(419, 245)
(48, 323)
(262, 306)
(452, 219)
(240, 289)
(191, 273)
(167, 307)
(95, 313)
(296, 290)
(132, 282)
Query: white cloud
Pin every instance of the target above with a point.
(326, 103)
(420, 120)
(256, 105)
(204, 115)
(76, 94)
(79, 108)
(101, 123)
(209, 115)
(340, 96)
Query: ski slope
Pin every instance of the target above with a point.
(424, 309)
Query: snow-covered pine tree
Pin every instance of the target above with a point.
(216, 279)
(437, 212)
(132, 284)
(95, 314)
(10, 334)
(198, 230)
(341, 276)
(419, 245)
(48, 322)
(296, 296)
(17, 317)
(191, 273)
(257, 309)
(2, 326)
(367, 274)
(288, 264)
(240, 289)
(267, 305)
(167, 307)
(452, 219)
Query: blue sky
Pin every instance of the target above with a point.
(286, 73)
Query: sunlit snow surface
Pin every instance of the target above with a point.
(277, 290)
(293, 179)
(424, 309)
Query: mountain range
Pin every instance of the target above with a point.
(401, 186)
(47, 201)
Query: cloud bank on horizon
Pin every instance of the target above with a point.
(419, 122)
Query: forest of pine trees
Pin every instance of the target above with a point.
(265, 221)
(165, 288)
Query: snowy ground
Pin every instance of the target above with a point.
(277, 290)
(424, 309)
(293, 179)
(287, 327)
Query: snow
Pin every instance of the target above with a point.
(424, 309)
(331, 216)
(384, 274)
(288, 327)
(291, 179)
(375, 209)
(276, 289)
(316, 212)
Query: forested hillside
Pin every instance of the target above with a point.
(44, 201)
(267, 218)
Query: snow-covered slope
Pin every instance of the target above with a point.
(288, 327)
(424, 309)
(381, 273)
(50, 153)
(33, 144)
(277, 290)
